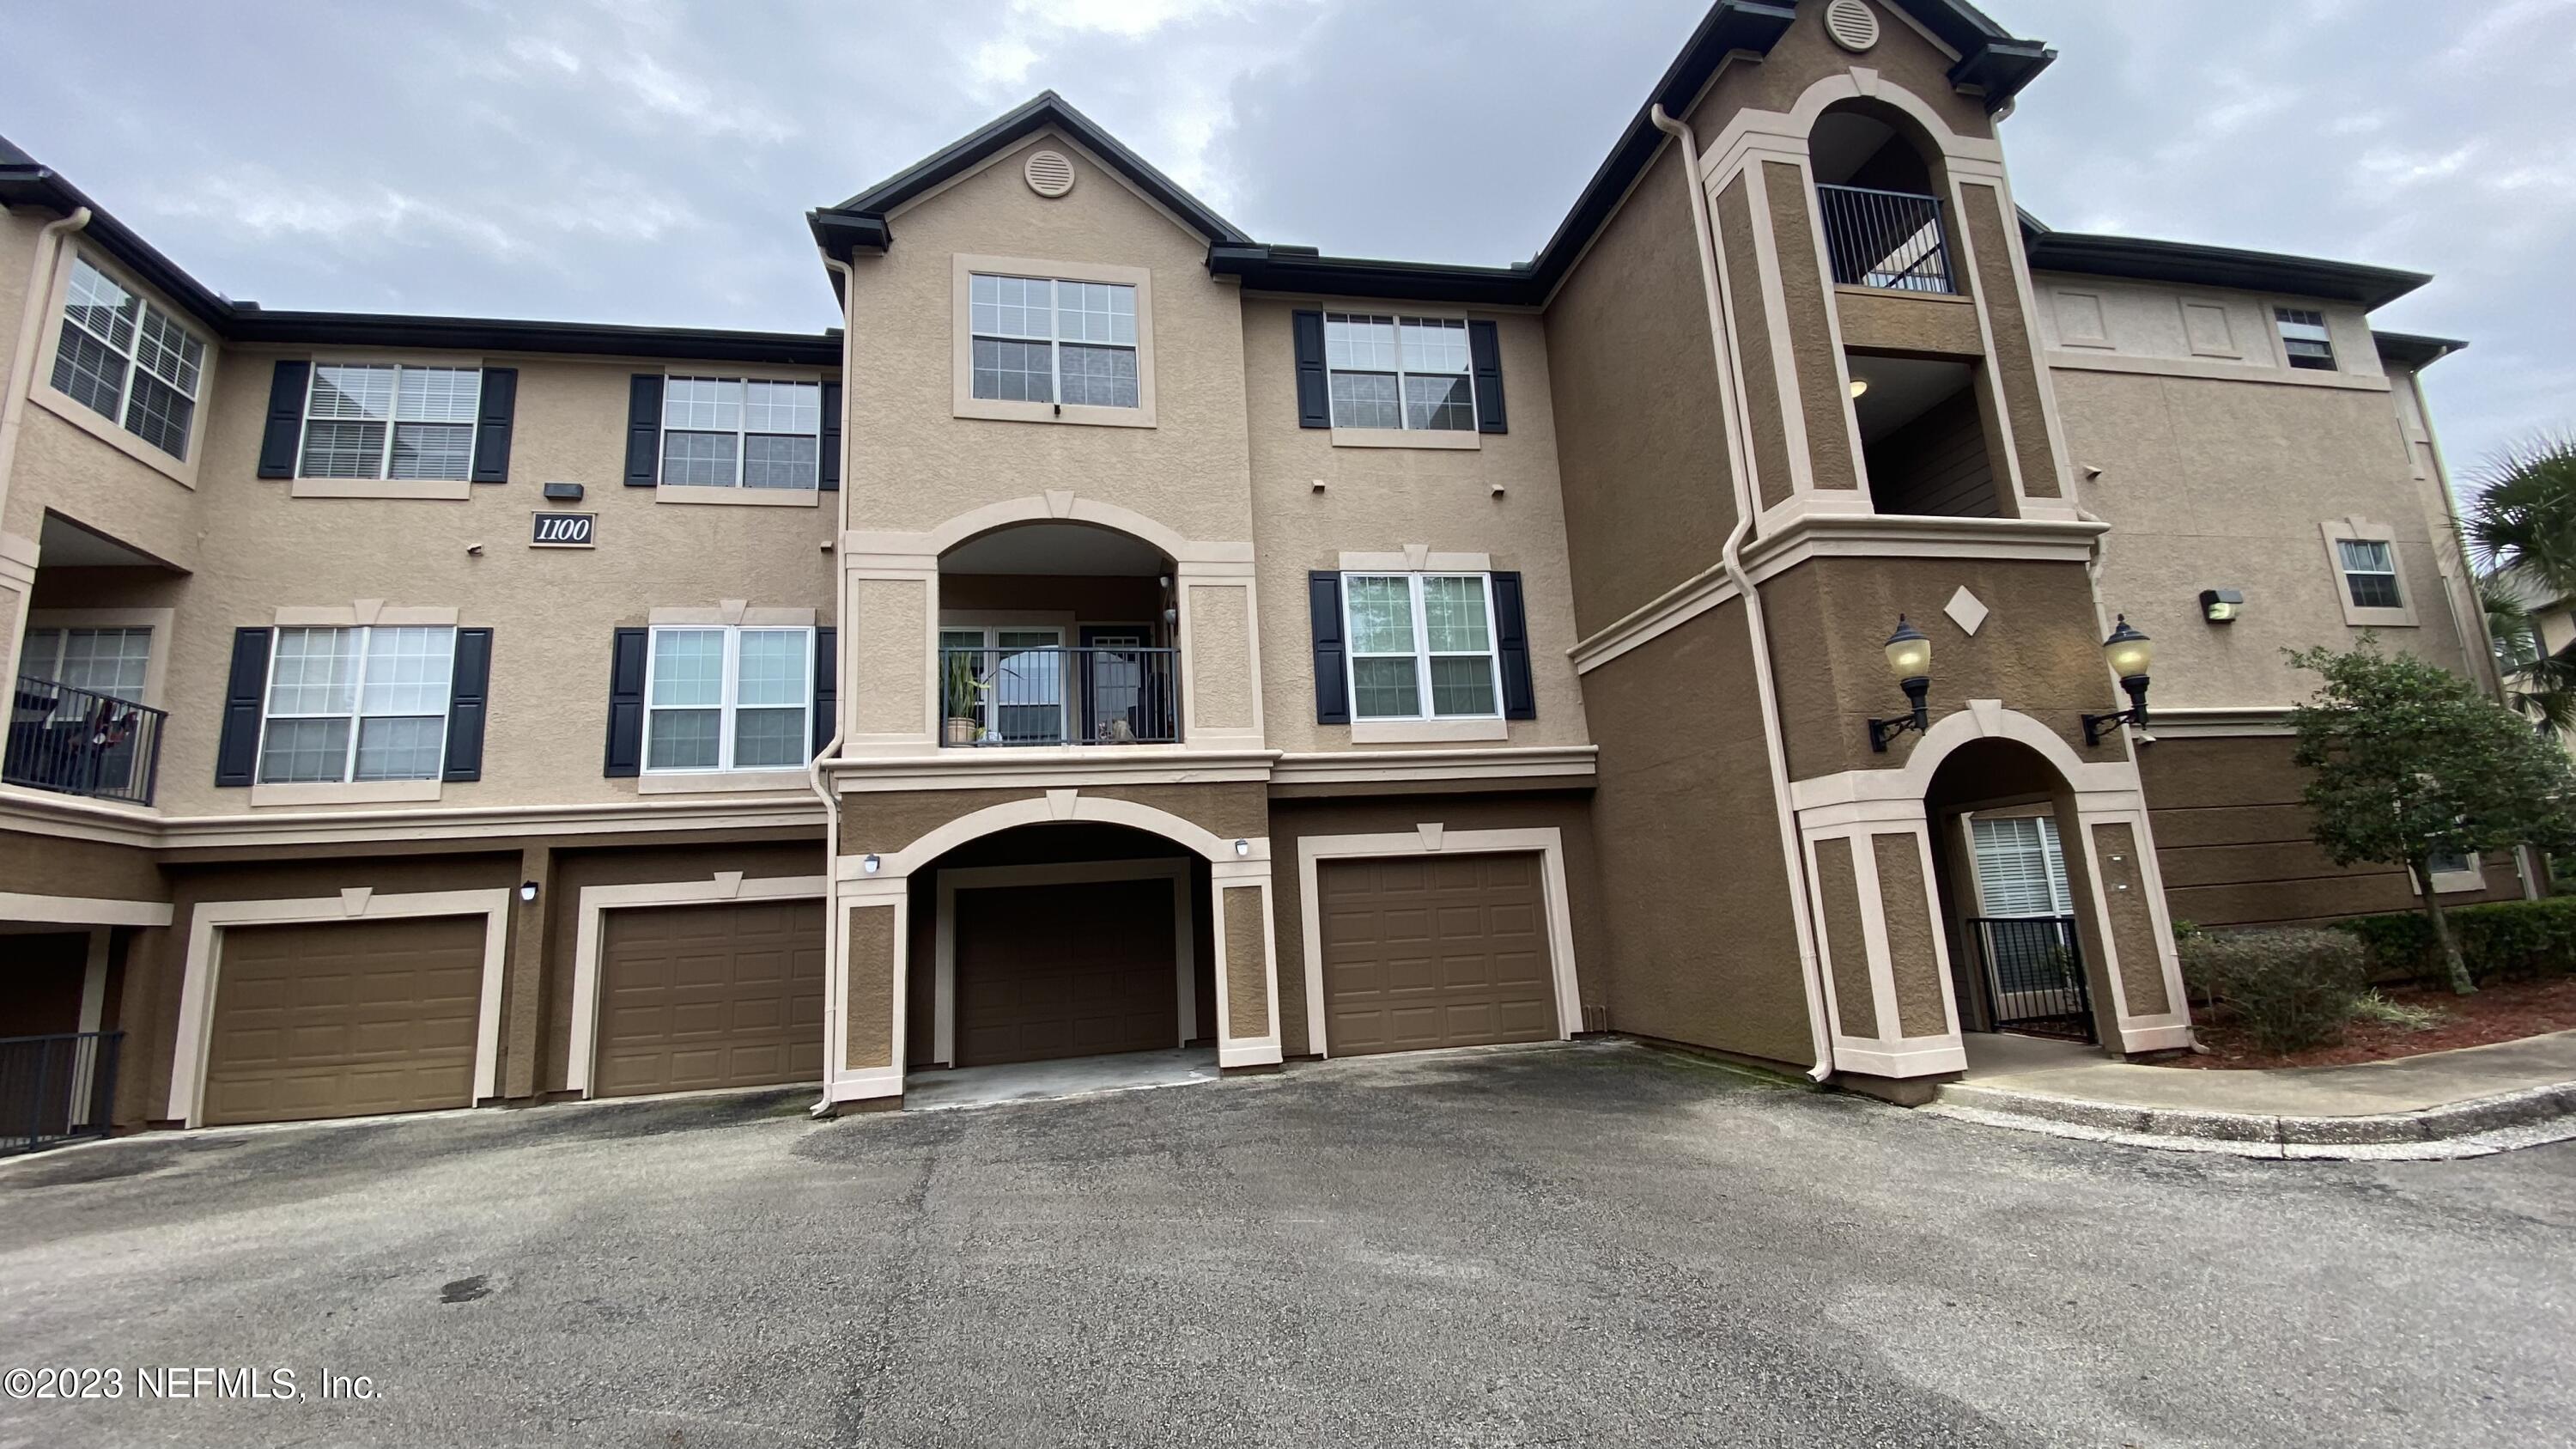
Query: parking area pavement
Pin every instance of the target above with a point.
(1582, 1244)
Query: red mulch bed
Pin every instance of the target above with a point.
(2504, 1011)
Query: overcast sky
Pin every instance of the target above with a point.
(636, 161)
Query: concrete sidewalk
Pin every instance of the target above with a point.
(2462, 1103)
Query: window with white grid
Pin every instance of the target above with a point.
(721, 698)
(103, 661)
(1037, 339)
(2020, 869)
(128, 361)
(356, 704)
(1421, 646)
(381, 420)
(735, 432)
(2304, 338)
(1399, 372)
(2370, 572)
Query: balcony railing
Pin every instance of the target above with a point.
(1890, 239)
(80, 742)
(56, 1088)
(1060, 696)
(2034, 968)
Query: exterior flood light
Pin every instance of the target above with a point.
(527, 890)
(1909, 658)
(2221, 606)
(2130, 654)
(1859, 385)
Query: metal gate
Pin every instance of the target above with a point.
(2034, 975)
(56, 1088)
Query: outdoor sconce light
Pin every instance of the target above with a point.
(2130, 652)
(1243, 847)
(2221, 606)
(1909, 658)
(868, 864)
(527, 890)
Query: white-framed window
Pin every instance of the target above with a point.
(113, 662)
(741, 432)
(128, 361)
(1421, 646)
(1044, 340)
(364, 703)
(1399, 372)
(2455, 871)
(721, 697)
(2370, 572)
(2021, 870)
(387, 420)
(2304, 338)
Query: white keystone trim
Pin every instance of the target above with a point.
(1433, 839)
(82, 910)
(943, 1049)
(582, 1032)
(205, 960)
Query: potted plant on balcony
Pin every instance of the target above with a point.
(965, 699)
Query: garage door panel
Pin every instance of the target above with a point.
(698, 997)
(1434, 952)
(1064, 970)
(344, 1018)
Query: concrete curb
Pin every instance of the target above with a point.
(2475, 1127)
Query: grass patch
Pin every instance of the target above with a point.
(2378, 1010)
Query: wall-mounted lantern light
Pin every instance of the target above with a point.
(869, 864)
(527, 890)
(2130, 653)
(1243, 847)
(1909, 658)
(1859, 385)
(2221, 606)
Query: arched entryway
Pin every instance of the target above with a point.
(2000, 815)
(1055, 633)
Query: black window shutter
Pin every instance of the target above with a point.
(285, 421)
(1314, 400)
(643, 431)
(467, 695)
(1485, 355)
(831, 437)
(492, 427)
(626, 699)
(827, 685)
(1511, 636)
(1332, 686)
(237, 749)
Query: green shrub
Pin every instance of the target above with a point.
(2500, 938)
(2291, 988)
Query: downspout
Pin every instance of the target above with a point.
(31, 330)
(1731, 558)
(838, 990)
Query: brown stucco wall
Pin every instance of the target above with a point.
(1903, 893)
(1920, 323)
(1649, 497)
(1765, 410)
(51, 865)
(1846, 943)
(869, 969)
(2233, 846)
(1703, 947)
(1293, 819)
(1810, 307)
(1830, 617)
(1247, 995)
(887, 821)
(2014, 366)
(2133, 927)
(1805, 55)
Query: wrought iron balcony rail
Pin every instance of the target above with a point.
(56, 1088)
(1053, 695)
(2034, 972)
(1891, 239)
(81, 742)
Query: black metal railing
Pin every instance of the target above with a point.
(1890, 239)
(81, 742)
(2034, 974)
(1107, 695)
(56, 1088)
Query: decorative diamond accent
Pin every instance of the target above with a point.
(1965, 610)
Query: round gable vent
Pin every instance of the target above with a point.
(1852, 24)
(1049, 173)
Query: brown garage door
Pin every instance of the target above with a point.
(344, 1019)
(710, 996)
(1065, 971)
(1434, 952)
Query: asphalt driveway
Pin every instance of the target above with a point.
(1591, 1244)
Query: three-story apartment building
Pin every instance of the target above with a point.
(1122, 634)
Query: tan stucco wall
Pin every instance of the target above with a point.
(2223, 484)
(1378, 500)
(1845, 944)
(1808, 299)
(869, 969)
(1640, 435)
(2016, 370)
(1909, 322)
(2037, 651)
(1906, 898)
(1247, 969)
(1805, 54)
(1766, 408)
